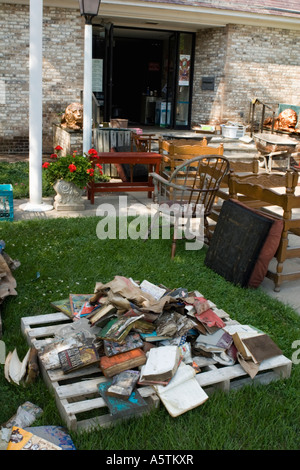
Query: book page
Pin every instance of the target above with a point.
(183, 373)
(183, 394)
(156, 291)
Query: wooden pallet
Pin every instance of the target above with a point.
(226, 378)
(77, 392)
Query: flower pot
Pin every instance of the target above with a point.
(68, 197)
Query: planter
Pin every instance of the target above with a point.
(68, 197)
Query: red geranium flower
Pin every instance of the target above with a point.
(100, 168)
(58, 147)
(53, 155)
(93, 153)
(45, 165)
(72, 167)
(90, 171)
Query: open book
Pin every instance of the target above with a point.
(183, 393)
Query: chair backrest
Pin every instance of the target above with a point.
(260, 190)
(171, 146)
(177, 154)
(196, 181)
(142, 142)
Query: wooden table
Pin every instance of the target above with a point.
(132, 158)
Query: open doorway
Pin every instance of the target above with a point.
(141, 76)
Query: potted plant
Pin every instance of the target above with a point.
(69, 176)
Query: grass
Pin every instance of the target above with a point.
(70, 258)
(17, 174)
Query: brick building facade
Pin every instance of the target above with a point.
(245, 62)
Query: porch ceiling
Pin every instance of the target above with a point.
(186, 16)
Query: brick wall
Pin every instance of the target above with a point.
(69, 139)
(63, 43)
(247, 63)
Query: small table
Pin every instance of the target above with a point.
(132, 158)
(272, 146)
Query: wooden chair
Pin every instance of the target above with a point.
(247, 169)
(274, 194)
(142, 142)
(189, 193)
(176, 152)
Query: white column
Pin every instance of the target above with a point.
(35, 109)
(87, 88)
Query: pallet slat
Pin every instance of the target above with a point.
(76, 393)
(279, 365)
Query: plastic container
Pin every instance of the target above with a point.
(234, 132)
(6, 202)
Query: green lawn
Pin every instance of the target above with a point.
(70, 258)
(17, 174)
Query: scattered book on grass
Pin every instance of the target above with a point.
(20, 439)
(14, 369)
(55, 434)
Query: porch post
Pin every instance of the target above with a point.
(35, 109)
(87, 88)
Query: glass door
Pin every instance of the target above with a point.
(183, 86)
(102, 69)
(178, 71)
(108, 67)
(167, 107)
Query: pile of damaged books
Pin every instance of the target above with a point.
(141, 334)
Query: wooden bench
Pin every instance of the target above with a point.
(276, 195)
(151, 159)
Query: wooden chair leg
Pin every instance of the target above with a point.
(173, 246)
(174, 240)
(151, 226)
